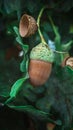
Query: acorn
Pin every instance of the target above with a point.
(40, 65)
(69, 62)
(27, 26)
(66, 56)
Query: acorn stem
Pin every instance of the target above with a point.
(57, 38)
(38, 23)
(60, 52)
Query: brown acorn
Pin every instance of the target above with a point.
(27, 26)
(40, 65)
(69, 62)
(63, 64)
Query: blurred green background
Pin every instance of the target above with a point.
(53, 102)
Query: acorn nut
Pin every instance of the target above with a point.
(40, 66)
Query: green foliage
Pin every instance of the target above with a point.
(24, 63)
(52, 102)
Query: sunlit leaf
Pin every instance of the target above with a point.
(17, 86)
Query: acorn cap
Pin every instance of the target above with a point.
(63, 64)
(42, 52)
(69, 62)
(27, 26)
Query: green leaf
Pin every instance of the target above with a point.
(67, 46)
(19, 40)
(24, 65)
(25, 48)
(28, 108)
(37, 113)
(16, 30)
(70, 70)
(17, 86)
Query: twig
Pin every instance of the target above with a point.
(38, 23)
